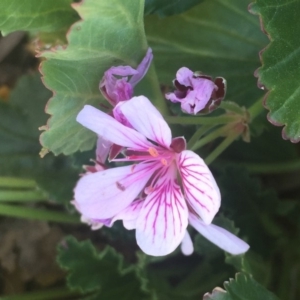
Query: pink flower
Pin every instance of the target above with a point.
(165, 188)
(196, 92)
(116, 90)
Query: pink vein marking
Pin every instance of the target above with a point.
(160, 199)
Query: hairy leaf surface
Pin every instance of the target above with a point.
(241, 288)
(36, 15)
(280, 70)
(111, 33)
(103, 273)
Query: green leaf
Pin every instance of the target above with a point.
(111, 33)
(165, 8)
(280, 63)
(36, 15)
(103, 273)
(20, 147)
(251, 263)
(208, 39)
(243, 287)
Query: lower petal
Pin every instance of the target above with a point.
(102, 195)
(200, 188)
(163, 219)
(219, 236)
(130, 214)
(187, 247)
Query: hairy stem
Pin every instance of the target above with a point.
(37, 214)
(273, 168)
(17, 182)
(23, 196)
(210, 137)
(221, 147)
(233, 107)
(159, 101)
(198, 134)
(223, 119)
(256, 108)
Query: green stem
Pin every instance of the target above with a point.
(233, 107)
(37, 214)
(27, 195)
(256, 108)
(274, 168)
(223, 119)
(59, 294)
(198, 134)
(159, 101)
(221, 147)
(17, 182)
(210, 137)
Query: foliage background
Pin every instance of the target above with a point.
(258, 180)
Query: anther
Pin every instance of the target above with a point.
(164, 161)
(153, 152)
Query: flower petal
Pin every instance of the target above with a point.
(187, 247)
(162, 222)
(116, 90)
(102, 149)
(130, 214)
(219, 236)
(200, 188)
(103, 194)
(142, 68)
(110, 129)
(147, 120)
(120, 71)
(93, 224)
(184, 76)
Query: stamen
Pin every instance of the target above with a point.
(153, 152)
(164, 161)
(148, 190)
(120, 186)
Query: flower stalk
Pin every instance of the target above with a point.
(256, 108)
(36, 214)
(221, 147)
(17, 182)
(22, 196)
(158, 99)
(220, 120)
(198, 134)
(210, 137)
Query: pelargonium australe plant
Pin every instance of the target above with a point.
(149, 149)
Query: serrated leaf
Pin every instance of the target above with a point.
(20, 118)
(241, 288)
(103, 273)
(165, 8)
(251, 263)
(111, 33)
(208, 39)
(280, 63)
(36, 15)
